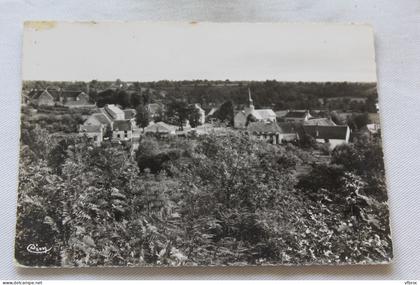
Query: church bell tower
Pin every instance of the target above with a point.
(250, 106)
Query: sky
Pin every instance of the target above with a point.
(151, 51)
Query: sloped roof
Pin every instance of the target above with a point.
(327, 132)
(122, 125)
(319, 122)
(105, 113)
(212, 111)
(102, 118)
(70, 94)
(78, 103)
(160, 127)
(289, 128)
(264, 114)
(90, 128)
(281, 113)
(35, 94)
(261, 127)
(296, 114)
(114, 108)
(129, 114)
(153, 108)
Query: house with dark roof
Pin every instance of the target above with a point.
(130, 114)
(334, 135)
(75, 99)
(122, 130)
(297, 116)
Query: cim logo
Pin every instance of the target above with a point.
(34, 248)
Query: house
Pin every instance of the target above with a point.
(129, 114)
(111, 118)
(160, 128)
(290, 132)
(155, 110)
(46, 97)
(114, 112)
(334, 135)
(98, 119)
(372, 128)
(250, 114)
(297, 116)
(273, 132)
(94, 132)
(75, 99)
(122, 130)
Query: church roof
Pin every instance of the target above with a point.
(264, 114)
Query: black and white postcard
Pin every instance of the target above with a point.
(200, 144)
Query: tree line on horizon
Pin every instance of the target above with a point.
(266, 94)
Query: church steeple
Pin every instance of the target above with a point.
(250, 106)
(250, 102)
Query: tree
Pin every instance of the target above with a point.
(226, 112)
(142, 116)
(136, 99)
(146, 96)
(123, 98)
(193, 116)
(357, 122)
(58, 155)
(178, 113)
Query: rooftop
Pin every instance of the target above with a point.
(327, 132)
(160, 127)
(129, 114)
(122, 125)
(261, 127)
(319, 122)
(296, 114)
(102, 118)
(263, 114)
(114, 108)
(90, 128)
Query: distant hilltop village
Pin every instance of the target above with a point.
(124, 113)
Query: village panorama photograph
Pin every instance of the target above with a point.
(200, 172)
